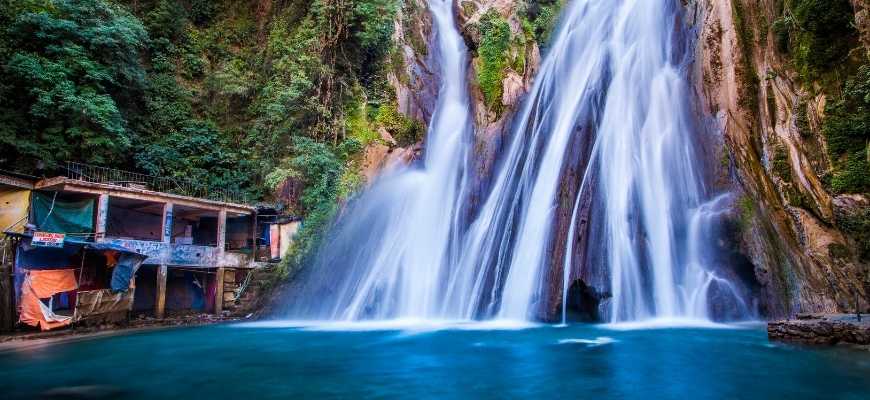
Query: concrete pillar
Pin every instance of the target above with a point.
(167, 223)
(219, 291)
(221, 247)
(160, 301)
(254, 235)
(222, 231)
(166, 229)
(102, 216)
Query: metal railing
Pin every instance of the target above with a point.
(133, 180)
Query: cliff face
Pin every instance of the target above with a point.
(803, 230)
(413, 78)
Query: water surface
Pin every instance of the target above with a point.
(428, 361)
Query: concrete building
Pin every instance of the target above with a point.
(197, 250)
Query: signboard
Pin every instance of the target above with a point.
(47, 239)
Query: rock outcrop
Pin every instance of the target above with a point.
(821, 330)
(505, 58)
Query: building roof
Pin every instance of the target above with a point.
(62, 183)
(17, 180)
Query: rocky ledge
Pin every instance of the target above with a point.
(822, 329)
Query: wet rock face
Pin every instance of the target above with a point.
(415, 70)
(793, 229)
(414, 80)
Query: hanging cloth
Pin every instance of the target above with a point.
(52, 215)
(39, 284)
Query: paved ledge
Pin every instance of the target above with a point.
(819, 329)
(35, 339)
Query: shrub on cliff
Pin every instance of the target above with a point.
(495, 36)
(818, 34)
(847, 130)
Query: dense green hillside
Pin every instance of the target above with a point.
(220, 92)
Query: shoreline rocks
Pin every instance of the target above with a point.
(822, 329)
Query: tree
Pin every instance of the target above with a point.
(71, 74)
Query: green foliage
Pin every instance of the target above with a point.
(71, 74)
(857, 225)
(322, 171)
(495, 36)
(359, 127)
(747, 212)
(203, 11)
(542, 16)
(167, 20)
(404, 130)
(817, 33)
(847, 130)
(852, 174)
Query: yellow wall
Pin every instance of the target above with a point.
(14, 203)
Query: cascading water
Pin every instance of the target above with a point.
(644, 163)
(403, 250)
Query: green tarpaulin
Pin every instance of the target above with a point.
(52, 215)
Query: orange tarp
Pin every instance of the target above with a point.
(44, 284)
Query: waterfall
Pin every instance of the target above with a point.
(613, 75)
(649, 186)
(396, 243)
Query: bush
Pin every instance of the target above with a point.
(322, 171)
(542, 16)
(404, 130)
(857, 225)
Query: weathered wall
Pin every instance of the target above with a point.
(14, 204)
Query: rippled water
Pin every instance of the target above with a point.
(413, 360)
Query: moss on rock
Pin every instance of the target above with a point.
(495, 38)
